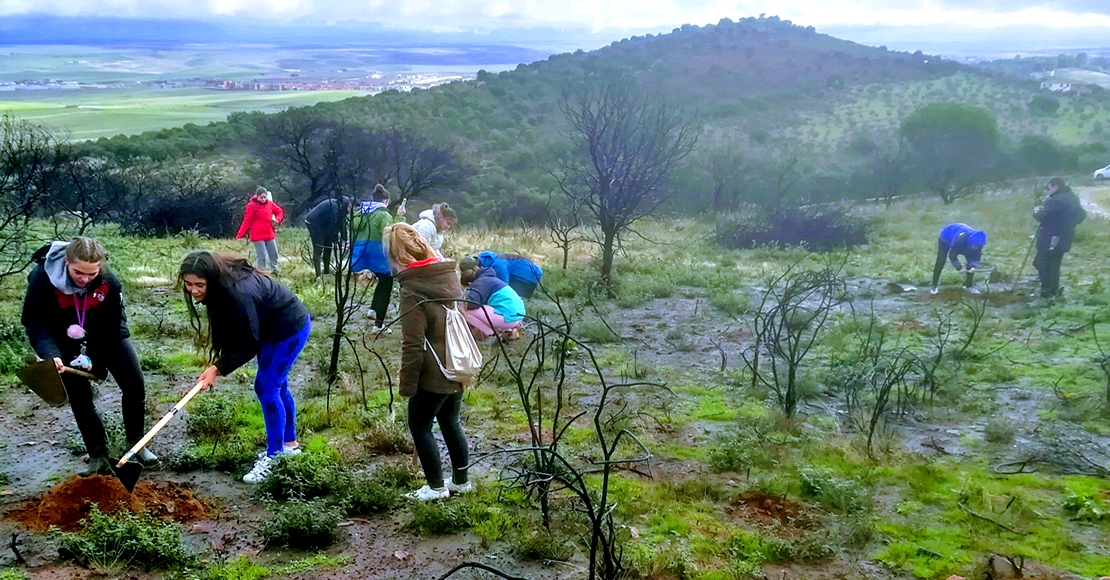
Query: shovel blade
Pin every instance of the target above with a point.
(128, 473)
(42, 377)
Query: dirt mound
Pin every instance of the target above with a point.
(65, 504)
(769, 508)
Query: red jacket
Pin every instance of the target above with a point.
(258, 219)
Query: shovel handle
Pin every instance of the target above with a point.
(161, 423)
(79, 373)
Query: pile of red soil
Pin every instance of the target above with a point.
(65, 504)
(769, 508)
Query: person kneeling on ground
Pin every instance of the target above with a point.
(959, 240)
(424, 278)
(74, 315)
(492, 306)
(250, 315)
(515, 270)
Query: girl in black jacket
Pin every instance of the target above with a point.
(73, 313)
(250, 315)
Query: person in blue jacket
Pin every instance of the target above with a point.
(492, 306)
(513, 269)
(959, 240)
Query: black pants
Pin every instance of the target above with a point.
(1047, 264)
(942, 256)
(425, 406)
(123, 363)
(323, 240)
(382, 292)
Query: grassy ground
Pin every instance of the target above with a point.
(89, 114)
(735, 488)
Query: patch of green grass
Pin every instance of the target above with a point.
(125, 540)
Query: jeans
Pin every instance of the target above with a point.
(123, 364)
(271, 384)
(262, 249)
(1047, 264)
(425, 406)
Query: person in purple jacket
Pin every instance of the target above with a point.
(959, 240)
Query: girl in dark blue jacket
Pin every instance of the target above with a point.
(250, 315)
(959, 240)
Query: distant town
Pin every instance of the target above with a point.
(372, 83)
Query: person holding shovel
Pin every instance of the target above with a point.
(74, 315)
(250, 316)
(1058, 217)
(959, 240)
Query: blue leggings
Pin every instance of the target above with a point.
(272, 387)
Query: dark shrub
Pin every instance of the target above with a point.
(212, 213)
(822, 228)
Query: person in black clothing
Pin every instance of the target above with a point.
(250, 315)
(1058, 218)
(74, 315)
(326, 228)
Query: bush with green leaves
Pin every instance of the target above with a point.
(125, 539)
(383, 434)
(231, 455)
(843, 495)
(211, 418)
(433, 518)
(999, 431)
(306, 475)
(302, 524)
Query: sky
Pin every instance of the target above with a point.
(1045, 23)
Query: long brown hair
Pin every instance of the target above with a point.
(220, 271)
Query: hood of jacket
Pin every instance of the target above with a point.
(434, 281)
(429, 215)
(55, 266)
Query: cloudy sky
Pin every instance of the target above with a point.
(1076, 22)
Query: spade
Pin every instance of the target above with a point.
(129, 471)
(43, 378)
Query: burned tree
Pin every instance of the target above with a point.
(625, 148)
(26, 153)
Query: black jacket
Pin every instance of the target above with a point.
(252, 311)
(325, 220)
(48, 313)
(1059, 217)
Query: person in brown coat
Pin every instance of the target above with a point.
(424, 277)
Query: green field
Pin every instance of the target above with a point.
(89, 114)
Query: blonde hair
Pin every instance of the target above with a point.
(82, 249)
(404, 245)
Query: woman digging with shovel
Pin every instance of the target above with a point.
(74, 315)
(250, 315)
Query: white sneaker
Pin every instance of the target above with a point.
(260, 470)
(146, 457)
(291, 449)
(376, 329)
(459, 489)
(934, 290)
(972, 290)
(426, 493)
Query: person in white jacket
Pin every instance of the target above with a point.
(435, 222)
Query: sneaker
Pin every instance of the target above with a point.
(146, 456)
(260, 470)
(291, 449)
(972, 290)
(380, 329)
(459, 488)
(98, 465)
(426, 494)
(934, 290)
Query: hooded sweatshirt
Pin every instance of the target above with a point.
(488, 289)
(53, 302)
(426, 225)
(249, 312)
(368, 253)
(963, 240)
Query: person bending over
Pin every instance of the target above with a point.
(492, 306)
(959, 240)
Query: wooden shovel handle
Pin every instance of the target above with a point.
(161, 423)
(79, 373)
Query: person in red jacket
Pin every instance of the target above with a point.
(259, 219)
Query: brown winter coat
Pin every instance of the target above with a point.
(419, 369)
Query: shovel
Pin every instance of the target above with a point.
(43, 378)
(128, 471)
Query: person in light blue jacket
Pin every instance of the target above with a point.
(513, 269)
(492, 306)
(959, 240)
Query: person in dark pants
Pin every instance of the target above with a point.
(74, 315)
(368, 253)
(250, 315)
(959, 240)
(424, 276)
(1058, 218)
(326, 228)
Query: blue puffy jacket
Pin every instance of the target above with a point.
(963, 240)
(513, 269)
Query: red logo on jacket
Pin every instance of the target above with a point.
(95, 298)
